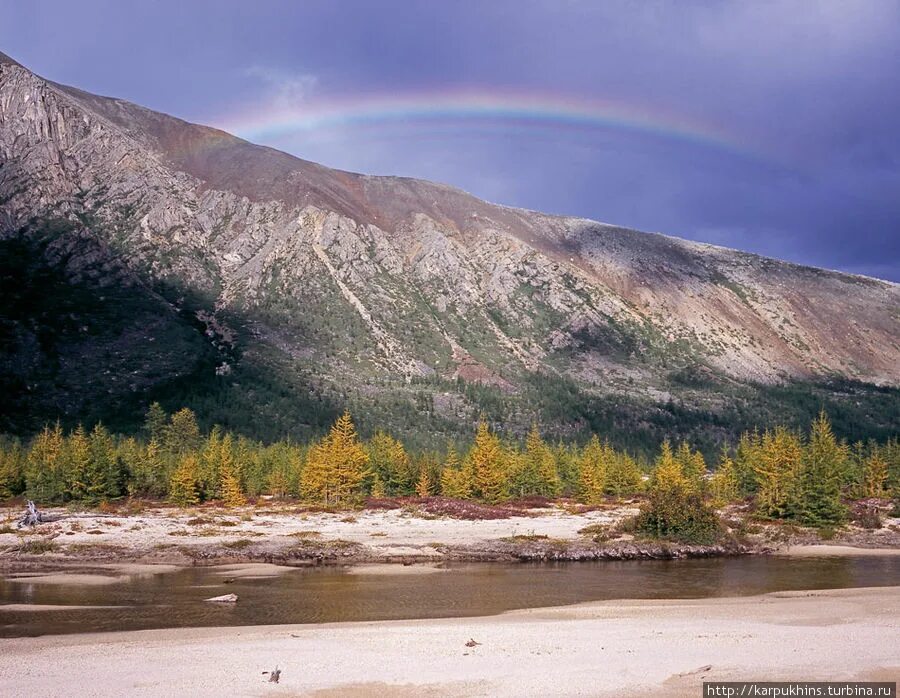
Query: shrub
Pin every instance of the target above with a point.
(676, 515)
(827, 532)
(239, 544)
(306, 534)
(675, 509)
(867, 517)
(598, 533)
(37, 547)
(525, 538)
(200, 521)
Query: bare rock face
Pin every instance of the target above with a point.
(189, 249)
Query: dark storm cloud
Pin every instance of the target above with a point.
(813, 87)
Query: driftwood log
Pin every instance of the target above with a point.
(34, 516)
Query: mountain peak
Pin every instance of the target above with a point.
(183, 256)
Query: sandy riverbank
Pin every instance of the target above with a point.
(611, 648)
(426, 531)
(291, 535)
(834, 551)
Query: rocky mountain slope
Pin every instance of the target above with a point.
(146, 257)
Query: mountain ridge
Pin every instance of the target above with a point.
(355, 281)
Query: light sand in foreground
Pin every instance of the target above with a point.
(835, 551)
(611, 648)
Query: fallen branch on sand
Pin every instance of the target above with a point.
(33, 516)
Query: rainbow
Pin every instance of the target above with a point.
(478, 107)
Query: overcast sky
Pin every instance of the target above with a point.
(803, 99)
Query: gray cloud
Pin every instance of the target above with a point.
(811, 85)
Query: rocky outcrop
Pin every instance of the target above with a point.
(357, 281)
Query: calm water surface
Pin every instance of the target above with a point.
(332, 594)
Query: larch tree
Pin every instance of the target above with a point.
(724, 485)
(874, 476)
(251, 466)
(668, 473)
(534, 471)
(389, 460)
(6, 476)
(623, 476)
(106, 477)
(12, 469)
(423, 484)
(153, 469)
(593, 466)
(182, 434)
(184, 486)
(544, 463)
(890, 451)
(377, 489)
(230, 487)
(285, 463)
(693, 466)
(336, 466)
(457, 481)
(748, 455)
(155, 423)
(567, 458)
(211, 459)
(129, 452)
(777, 473)
(823, 464)
(486, 460)
(78, 463)
(44, 466)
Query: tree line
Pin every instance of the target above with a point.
(802, 476)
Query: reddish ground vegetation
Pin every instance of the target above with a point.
(533, 502)
(459, 508)
(385, 503)
(464, 509)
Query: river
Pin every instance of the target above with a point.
(315, 595)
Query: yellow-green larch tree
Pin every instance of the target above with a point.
(623, 476)
(45, 476)
(230, 487)
(823, 464)
(593, 471)
(184, 483)
(336, 466)
(724, 485)
(777, 473)
(874, 476)
(534, 471)
(423, 484)
(487, 463)
(389, 461)
(457, 480)
(78, 463)
(693, 466)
